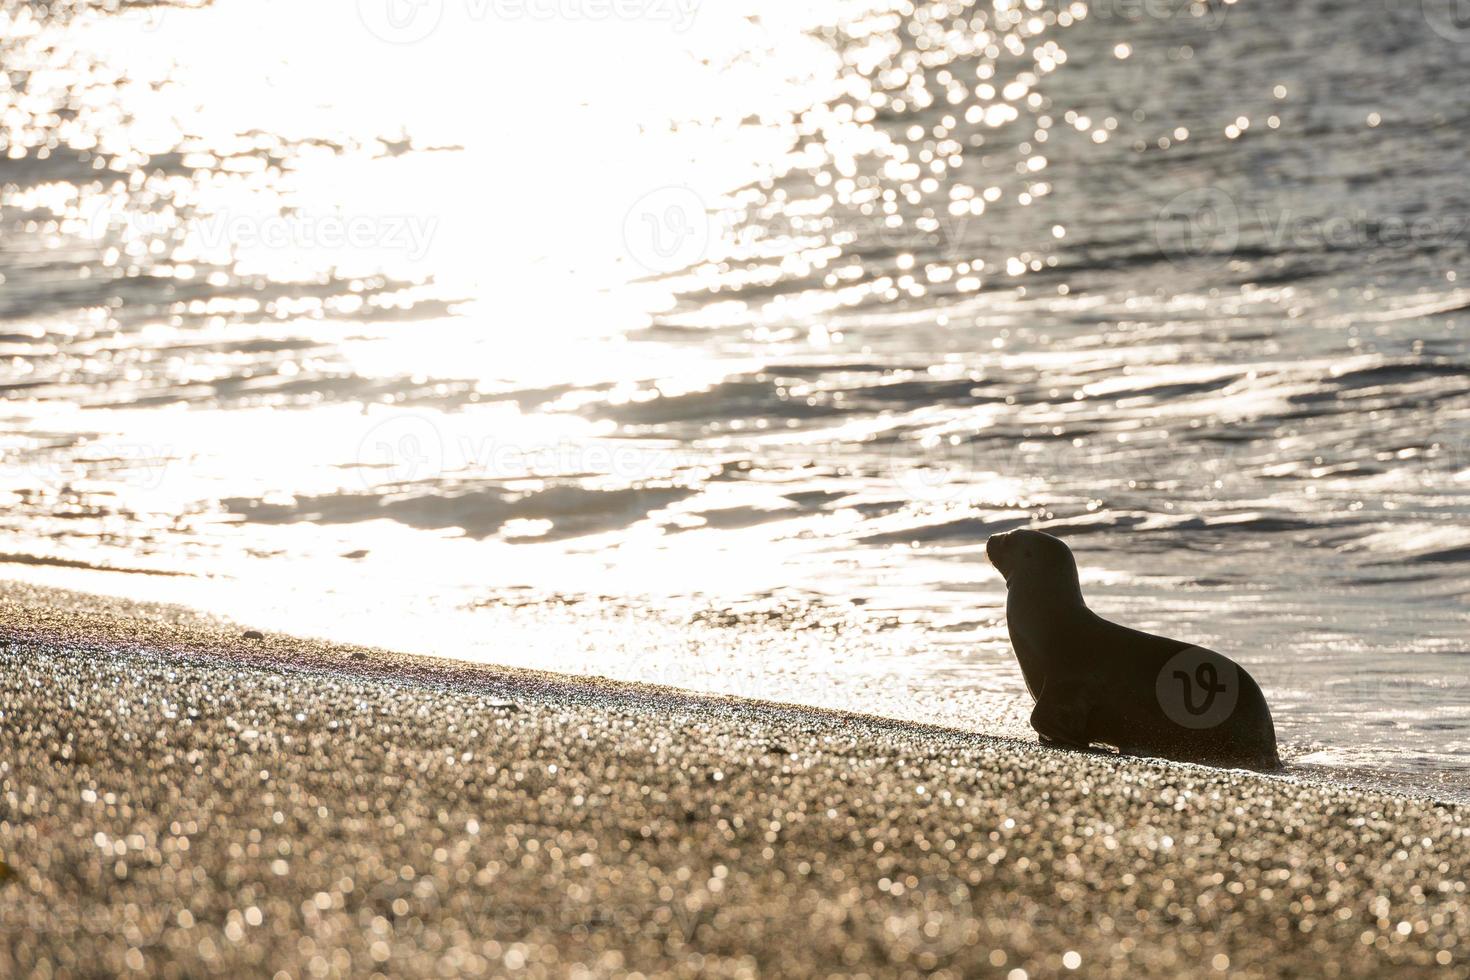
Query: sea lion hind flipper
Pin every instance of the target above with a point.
(1060, 716)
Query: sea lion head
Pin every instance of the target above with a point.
(1035, 558)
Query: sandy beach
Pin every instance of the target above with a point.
(177, 799)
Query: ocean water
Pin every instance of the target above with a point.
(706, 343)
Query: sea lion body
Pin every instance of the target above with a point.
(1097, 682)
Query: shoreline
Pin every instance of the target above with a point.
(176, 799)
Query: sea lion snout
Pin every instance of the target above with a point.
(995, 546)
(1001, 551)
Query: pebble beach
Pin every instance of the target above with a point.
(179, 800)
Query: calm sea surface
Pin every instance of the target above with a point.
(705, 343)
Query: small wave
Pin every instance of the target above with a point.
(569, 510)
(12, 558)
(971, 529)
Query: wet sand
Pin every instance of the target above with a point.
(178, 800)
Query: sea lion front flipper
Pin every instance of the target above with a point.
(1060, 716)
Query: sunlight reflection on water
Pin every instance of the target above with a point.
(798, 311)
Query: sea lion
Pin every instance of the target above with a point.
(1098, 682)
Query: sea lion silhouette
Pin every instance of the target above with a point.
(1098, 682)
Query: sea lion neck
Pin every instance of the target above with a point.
(1060, 590)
